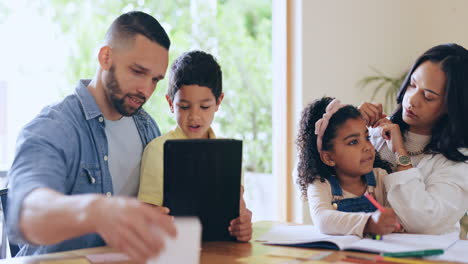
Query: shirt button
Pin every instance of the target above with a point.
(109, 194)
(105, 157)
(101, 119)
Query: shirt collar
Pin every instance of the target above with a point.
(179, 133)
(90, 108)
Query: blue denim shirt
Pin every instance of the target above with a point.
(65, 149)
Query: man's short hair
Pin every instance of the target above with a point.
(125, 28)
(195, 68)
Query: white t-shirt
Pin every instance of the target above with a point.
(125, 150)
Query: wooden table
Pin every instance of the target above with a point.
(212, 252)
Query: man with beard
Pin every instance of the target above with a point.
(76, 169)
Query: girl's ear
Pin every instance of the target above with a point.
(327, 158)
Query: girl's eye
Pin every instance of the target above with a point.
(204, 107)
(353, 142)
(184, 107)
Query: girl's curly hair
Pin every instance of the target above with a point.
(310, 165)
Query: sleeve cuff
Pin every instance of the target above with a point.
(151, 199)
(15, 206)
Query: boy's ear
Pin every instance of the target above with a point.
(105, 57)
(220, 99)
(169, 101)
(327, 158)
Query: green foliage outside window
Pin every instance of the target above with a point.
(237, 32)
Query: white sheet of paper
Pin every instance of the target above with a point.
(405, 242)
(288, 235)
(458, 252)
(185, 248)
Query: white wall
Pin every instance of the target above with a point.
(336, 42)
(341, 39)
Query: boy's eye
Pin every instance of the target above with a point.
(353, 142)
(204, 107)
(183, 107)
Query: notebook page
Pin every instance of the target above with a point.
(300, 234)
(458, 252)
(404, 242)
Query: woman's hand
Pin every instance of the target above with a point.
(392, 134)
(371, 113)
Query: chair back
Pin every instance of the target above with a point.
(13, 247)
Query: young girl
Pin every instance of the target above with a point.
(426, 140)
(336, 168)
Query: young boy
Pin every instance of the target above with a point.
(194, 95)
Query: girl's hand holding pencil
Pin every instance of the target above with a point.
(383, 221)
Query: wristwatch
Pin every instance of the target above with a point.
(403, 160)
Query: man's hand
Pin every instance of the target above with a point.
(161, 209)
(132, 227)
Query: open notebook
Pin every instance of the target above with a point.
(309, 236)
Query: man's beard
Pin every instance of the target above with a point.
(113, 92)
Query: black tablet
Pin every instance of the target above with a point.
(202, 178)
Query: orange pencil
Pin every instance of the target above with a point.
(376, 204)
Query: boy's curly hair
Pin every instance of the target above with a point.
(195, 68)
(310, 165)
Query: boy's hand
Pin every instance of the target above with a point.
(241, 227)
(382, 223)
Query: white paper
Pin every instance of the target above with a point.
(458, 252)
(185, 248)
(396, 242)
(298, 234)
(405, 242)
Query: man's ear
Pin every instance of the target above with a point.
(327, 158)
(105, 57)
(169, 101)
(220, 99)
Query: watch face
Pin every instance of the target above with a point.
(404, 160)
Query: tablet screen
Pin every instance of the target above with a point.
(202, 178)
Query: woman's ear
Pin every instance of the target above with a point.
(327, 158)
